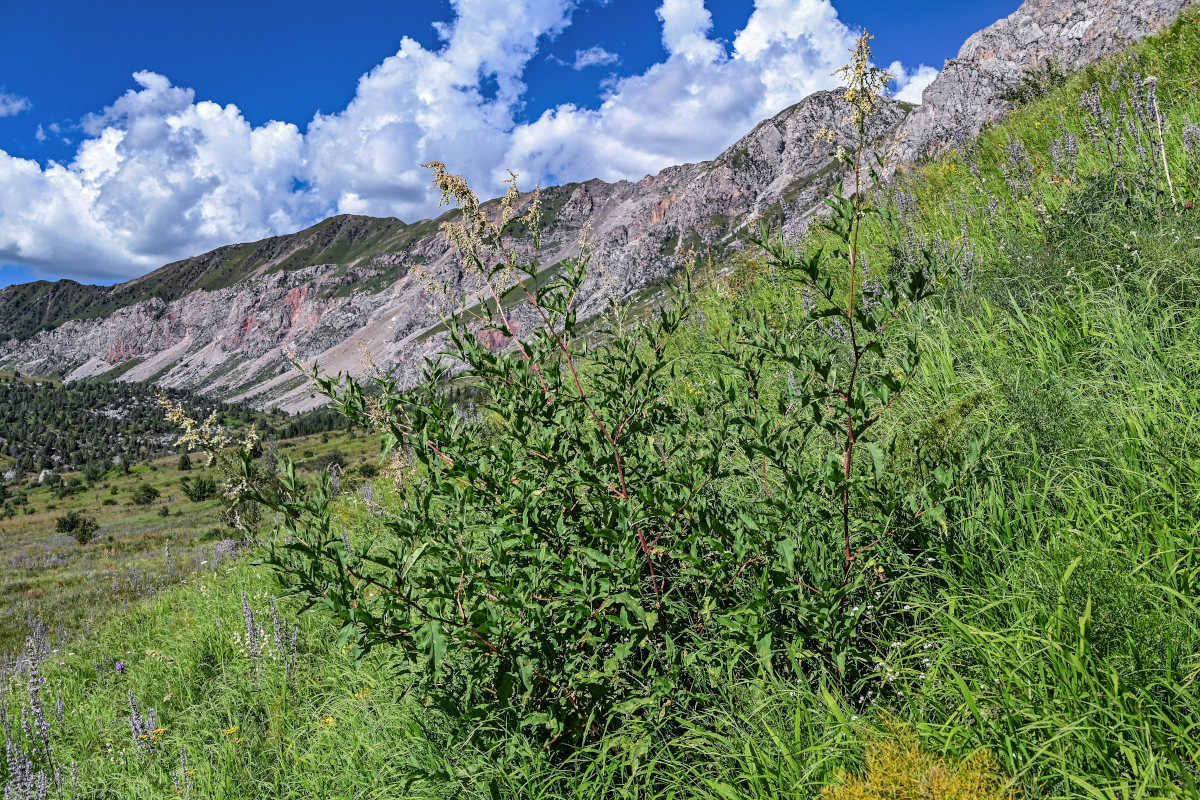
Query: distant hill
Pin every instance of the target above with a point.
(27, 308)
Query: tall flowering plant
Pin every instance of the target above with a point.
(840, 499)
(576, 552)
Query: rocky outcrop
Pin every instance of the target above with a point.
(967, 92)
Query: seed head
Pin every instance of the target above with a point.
(865, 83)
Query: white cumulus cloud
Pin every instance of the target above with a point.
(908, 85)
(13, 104)
(595, 56)
(686, 24)
(161, 175)
(696, 102)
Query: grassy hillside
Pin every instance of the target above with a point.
(1053, 622)
(138, 548)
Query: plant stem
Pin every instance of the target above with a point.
(848, 455)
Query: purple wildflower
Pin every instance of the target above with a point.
(252, 644)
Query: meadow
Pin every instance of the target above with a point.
(1037, 636)
(137, 549)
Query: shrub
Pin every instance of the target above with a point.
(368, 470)
(185, 463)
(82, 528)
(94, 471)
(595, 549)
(332, 459)
(144, 494)
(65, 488)
(198, 489)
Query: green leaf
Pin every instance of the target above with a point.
(877, 458)
(595, 557)
(786, 549)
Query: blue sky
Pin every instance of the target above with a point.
(133, 133)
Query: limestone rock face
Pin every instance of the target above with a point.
(1075, 32)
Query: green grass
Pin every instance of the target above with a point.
(73, 587)
(1055, 622)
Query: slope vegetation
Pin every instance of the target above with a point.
(1052, 622)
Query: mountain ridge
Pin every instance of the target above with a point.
(229, 340)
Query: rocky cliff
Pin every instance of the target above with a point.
(969, 90)
(220, 323)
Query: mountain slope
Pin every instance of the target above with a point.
(354, 279)
(28, 308)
